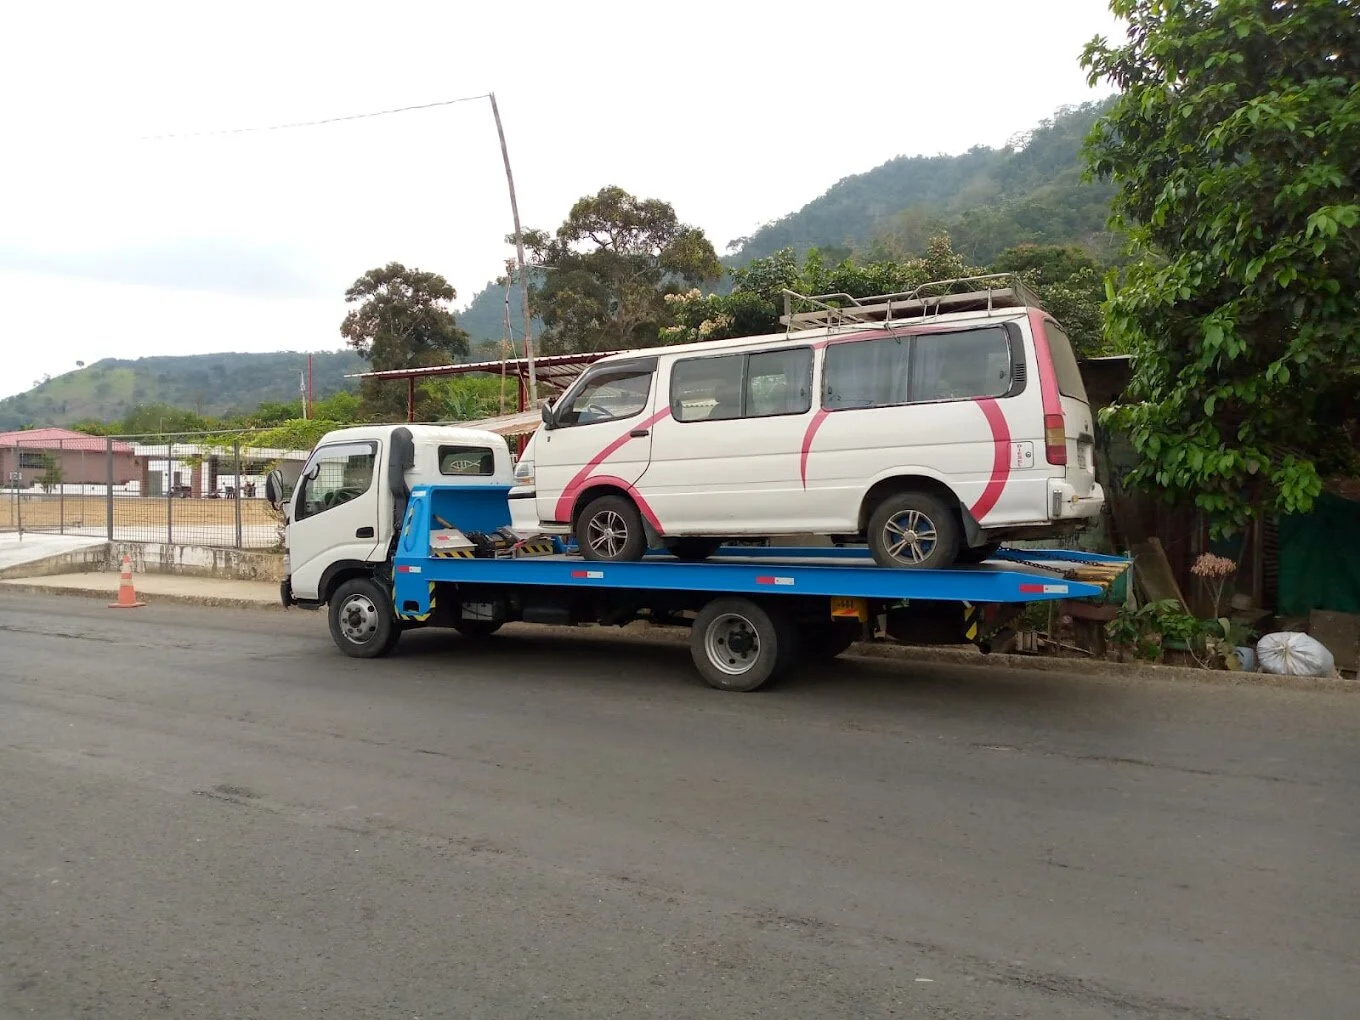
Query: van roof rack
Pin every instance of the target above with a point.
(965, 294)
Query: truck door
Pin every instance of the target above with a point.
(334, 514)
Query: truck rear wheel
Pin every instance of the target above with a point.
(828, 640)
(363, 625)
(477, 628)
(737, 645)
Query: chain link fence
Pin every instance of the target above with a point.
(185, 489)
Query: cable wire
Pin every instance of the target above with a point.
(311, 123)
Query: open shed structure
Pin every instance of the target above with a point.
(556, 372)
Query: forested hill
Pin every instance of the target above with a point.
(988, 200)
(210, 384)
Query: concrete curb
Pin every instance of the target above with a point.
(966, 657)
(970, 658)
(150, 598)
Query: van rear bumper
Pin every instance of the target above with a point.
(1065, 503)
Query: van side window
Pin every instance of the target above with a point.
(608, 396)
(778, 382)
(729, 386)
(707, 389)
(869, 373)
(466, 460)
(954, 365)
(960, 366)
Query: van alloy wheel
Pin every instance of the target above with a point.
(606, 534)
(610, 529)
(914, 529)
(910, 535)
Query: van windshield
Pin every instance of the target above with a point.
(1065, 363)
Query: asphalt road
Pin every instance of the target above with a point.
(215, 814)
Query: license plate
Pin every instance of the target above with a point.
(850, 608)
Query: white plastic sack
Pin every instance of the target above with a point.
(1290, 654)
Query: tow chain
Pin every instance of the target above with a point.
(1068, 574)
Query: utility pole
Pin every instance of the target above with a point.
(519, 254)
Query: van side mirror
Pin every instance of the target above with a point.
(547, 415)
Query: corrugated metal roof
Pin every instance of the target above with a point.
(60, 439)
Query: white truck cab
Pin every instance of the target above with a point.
(351, 497)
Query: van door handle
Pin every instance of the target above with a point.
(364, 533)
(638, 434)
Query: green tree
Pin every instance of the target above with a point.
(756, 300)
(401, 319)
(1234, 146)
(606, 272)
(1069, 283)
(51, 476)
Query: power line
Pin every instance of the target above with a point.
(312, 123)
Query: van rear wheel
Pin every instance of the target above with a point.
(610, 529)
(694, 549)
(914, 529)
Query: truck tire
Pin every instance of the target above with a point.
(610, 529)
(828, 640)
(737, 645)
(914, 529)
(363, 625)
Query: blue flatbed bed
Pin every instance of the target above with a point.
(801, 599)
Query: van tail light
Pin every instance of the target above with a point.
(1055, 439)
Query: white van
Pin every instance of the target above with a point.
(932, 427)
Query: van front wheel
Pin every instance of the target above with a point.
(914, 529)
(610, 528)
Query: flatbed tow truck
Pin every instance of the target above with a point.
(753, 612)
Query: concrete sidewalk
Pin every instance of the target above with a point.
(153, 588)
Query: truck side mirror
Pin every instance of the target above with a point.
(273, 489)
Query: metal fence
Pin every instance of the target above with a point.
(184, 489)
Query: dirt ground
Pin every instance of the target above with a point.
(44, 512)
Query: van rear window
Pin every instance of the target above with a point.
(1065, 366)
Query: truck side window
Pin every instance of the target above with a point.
(335, 475)
(466, 460)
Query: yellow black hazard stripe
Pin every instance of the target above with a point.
(538, 548)
(972, 621)
(453, 554)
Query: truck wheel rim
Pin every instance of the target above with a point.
(358, 619)
(732, 644)
(607, 533)
(910, 536)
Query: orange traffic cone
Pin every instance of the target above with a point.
(127, 595)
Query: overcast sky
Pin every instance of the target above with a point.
(116, 245)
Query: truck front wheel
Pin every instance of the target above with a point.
(363, 624)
